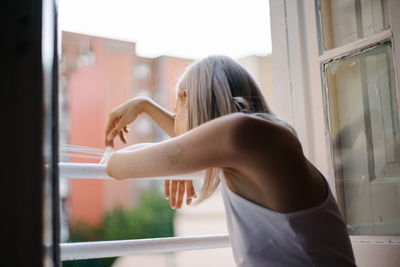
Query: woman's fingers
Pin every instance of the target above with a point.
(174, 188)
(122, 137)
(110, 126)
(190, 193)
(120, 117)
(181, 193)
(109, 143)
(166, 188)
(117, 131)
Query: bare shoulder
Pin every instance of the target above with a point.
(251, 138)
(265, 148)
(257, 135)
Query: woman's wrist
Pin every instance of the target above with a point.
(149, 107)
(143, 104)
(163, 117)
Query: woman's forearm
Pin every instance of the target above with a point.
(206, 146)
(160, 115)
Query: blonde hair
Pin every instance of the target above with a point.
(218, 86)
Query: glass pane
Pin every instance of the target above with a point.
(365, 138)
(346, 21)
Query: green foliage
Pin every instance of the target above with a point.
(151, 218)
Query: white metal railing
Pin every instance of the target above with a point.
(98, 171)
(103, 249)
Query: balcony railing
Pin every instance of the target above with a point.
(103, 249)
(98, 171)
(118, 248)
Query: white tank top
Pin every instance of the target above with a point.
(261, 237)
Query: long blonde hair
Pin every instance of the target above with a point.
(218, 86)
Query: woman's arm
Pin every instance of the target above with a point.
(160, 115)
(240, 141)
(208, 145)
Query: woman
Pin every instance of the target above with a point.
(279, 208)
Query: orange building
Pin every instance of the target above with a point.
(98, 74)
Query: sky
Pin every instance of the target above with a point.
(182, 28)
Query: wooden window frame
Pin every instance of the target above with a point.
(300, 94)
(356, 48)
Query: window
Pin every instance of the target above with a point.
(347, 21)
(334, 62)
(362, 103)
(364, 127)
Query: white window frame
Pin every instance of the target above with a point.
(299, 89)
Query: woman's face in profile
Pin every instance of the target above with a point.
(181, 111)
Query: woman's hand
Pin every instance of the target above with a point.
(120, 117)
(172, 187)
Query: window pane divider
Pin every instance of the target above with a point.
(376, 240)
(355, 47)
